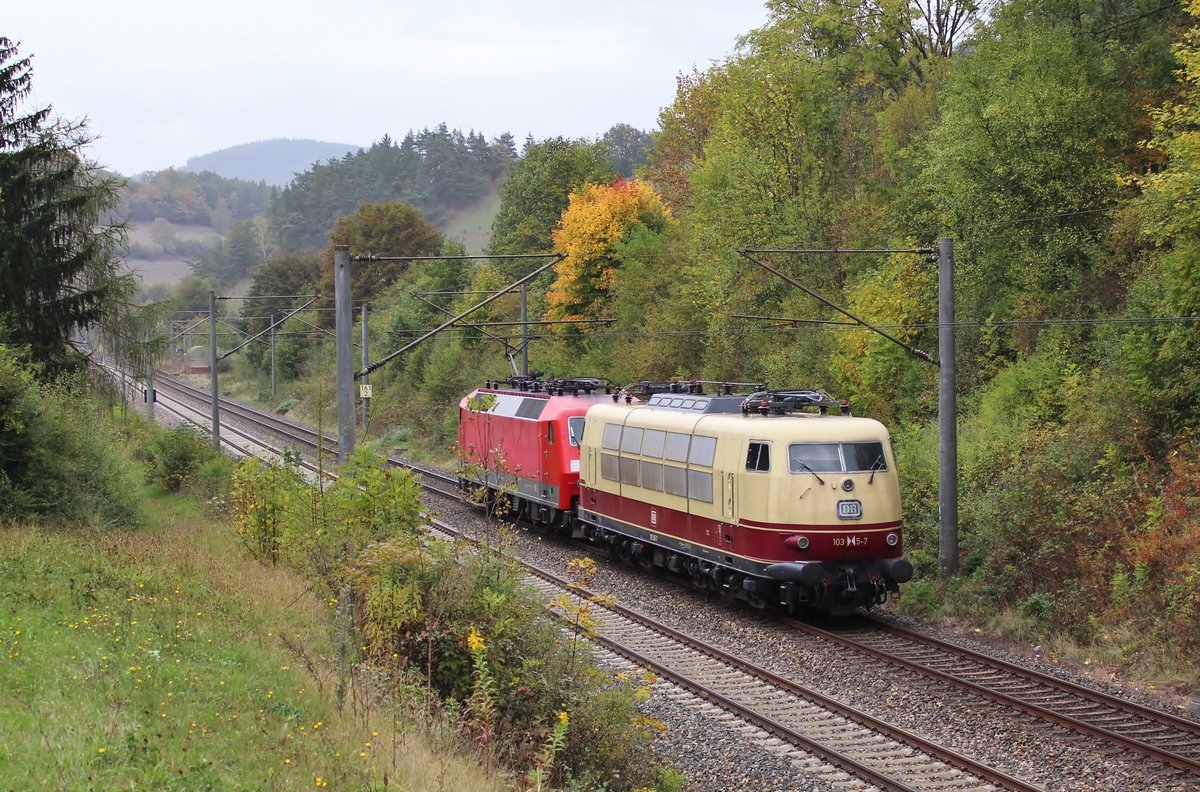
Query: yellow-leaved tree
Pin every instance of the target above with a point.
(597, 220)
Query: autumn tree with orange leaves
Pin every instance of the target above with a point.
(597, 220)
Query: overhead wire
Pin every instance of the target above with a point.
(806, 326)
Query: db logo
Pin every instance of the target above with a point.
(654, 517)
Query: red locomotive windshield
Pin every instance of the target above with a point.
(575, 430)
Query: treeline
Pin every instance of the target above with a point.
(436, 170)
(194, 199)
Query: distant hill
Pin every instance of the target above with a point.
(272, 161)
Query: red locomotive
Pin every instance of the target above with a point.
(520, 437)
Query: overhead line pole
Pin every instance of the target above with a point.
(212, 369)
(272, 356)
(366, 383)
(947, 416)
(947, 394)
(150, 396)
(344, 345)
(524, 331)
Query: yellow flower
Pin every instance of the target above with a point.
(101, 750)
(475, 640)
(563, 719)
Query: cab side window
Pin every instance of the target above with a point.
(758, 458)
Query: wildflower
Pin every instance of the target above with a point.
(474, 640)
(101, 750)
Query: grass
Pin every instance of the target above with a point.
(162, 659)
(473, 225)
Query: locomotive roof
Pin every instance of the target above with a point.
(697, 402)
(543, 395)
(793, 427)
(525, 405)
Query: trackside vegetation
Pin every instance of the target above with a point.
(57, 460)
(152, 652)
(174, 621)
(414, 612)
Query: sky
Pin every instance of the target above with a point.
(159, 82)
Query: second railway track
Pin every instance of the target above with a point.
(1159, 735)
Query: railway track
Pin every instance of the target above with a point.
(290, 431)
(296, 434)
(878, 753)
(1159, 735)
(867, 747)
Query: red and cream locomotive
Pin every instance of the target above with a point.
(776, 498)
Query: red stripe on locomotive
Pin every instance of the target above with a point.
(761, 542)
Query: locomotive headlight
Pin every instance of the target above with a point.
(797, 542)
(893, 539)
(847, 485)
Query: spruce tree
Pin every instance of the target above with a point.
(59, 252)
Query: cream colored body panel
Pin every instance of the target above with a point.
(777, 497)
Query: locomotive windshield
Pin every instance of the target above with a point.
(836, 457)
(575, 429)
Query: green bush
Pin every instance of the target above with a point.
(59, 453)
(213, 479)
(173, 456)
(460, 619)
(424, 604)
(286, 406)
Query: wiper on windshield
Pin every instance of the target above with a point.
(800, 463)
(876, 466)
